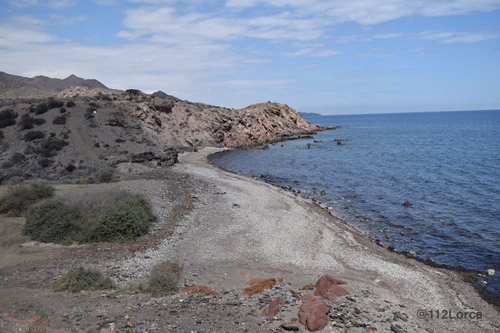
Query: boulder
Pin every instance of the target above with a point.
(329, 288)
(257, 285)
(200, 290)
(313, 314)
(273, 308)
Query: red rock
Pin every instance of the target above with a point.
(329, 288)
(199, 290)
(257, 285)
(290, 326)
(314, 314)
(309, 286)
(273, 308)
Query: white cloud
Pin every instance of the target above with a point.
(67, 20)
(312, 50)
(370, 12)
(388, 35)
(59, 3)
(56, 4)
(106, 2)
(21, 30)
(23, 3)
(457, 37)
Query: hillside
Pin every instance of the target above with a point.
(82, 132)
(12, 86)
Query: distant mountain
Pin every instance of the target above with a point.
(12, 86)
(308, 114)
(159, 93)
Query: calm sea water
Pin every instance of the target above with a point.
(446, 164)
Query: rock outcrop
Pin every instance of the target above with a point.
(191, 124)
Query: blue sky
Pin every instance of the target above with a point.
(332, 57)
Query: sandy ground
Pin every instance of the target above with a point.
(230, 228)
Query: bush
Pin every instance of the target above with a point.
(1, 135)
(106, 177)
(7, 118)
(19, 198)
(59, 120)
(89, 113)
(127, 218)
(70, 104)
(111, 217)
(62, 110)
(83, 279)
(41, 108)
(15, 159)
(27, 122)
(51, 146)
(52, 104)
(164, 279)
(53, 221)
(44, 162)
(33, 135)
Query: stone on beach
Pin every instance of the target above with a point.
(273, 308)
(313, 314)
(329, 288)
(200, 290)
(490, 272)
(257, 285)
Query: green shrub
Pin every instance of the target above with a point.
(164, 279)
(127, 218)
(2, 135)
(110, 217)
(27, 122)
(52, 103)
(53, 221)
(15, 159)
(41, 108)
(51, 147)
(70, 104)
(19, 198)
(83, 279)
(59, 120)
(33, 135)
(62, 110)
(106, 177)
(44, 162)
(7, 118)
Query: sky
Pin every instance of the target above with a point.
(331, 57)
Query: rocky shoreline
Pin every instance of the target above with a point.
(475, 278)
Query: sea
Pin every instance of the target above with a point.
(444, 165)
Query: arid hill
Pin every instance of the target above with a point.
(82, 132)
(12, 86)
